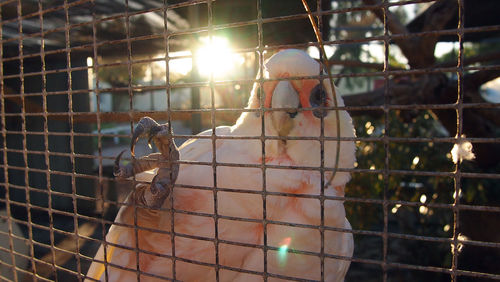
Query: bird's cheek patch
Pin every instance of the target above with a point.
(304, 87)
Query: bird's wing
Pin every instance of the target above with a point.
(193, 150)
(117, 235)
(97, 267)
(118, 255)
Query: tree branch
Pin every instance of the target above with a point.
(427, 89)
(474, 80)
(438, 89)
(359, 64)
(393, 23)
(403, 92)
(395, 27)
(437, 16)
(356, 64)
(483, 58)
(418, 50)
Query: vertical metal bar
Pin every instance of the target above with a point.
(214, 145)
(150, 93)
(194, 18)
(5, 160)
(72, 136)
(95, 67)
(130, 112)
(385, 237)
(169, 118)
(46, 139)
(322, 158)
(457, 174)
(263, 132)
(24, 142)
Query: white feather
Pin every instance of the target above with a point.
(462, 151)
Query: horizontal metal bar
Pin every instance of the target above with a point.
(389, 139)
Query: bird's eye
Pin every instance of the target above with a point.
(318, 96)
(317, 99)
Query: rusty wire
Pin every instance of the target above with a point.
(132, 115)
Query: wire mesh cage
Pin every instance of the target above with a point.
(418, 78)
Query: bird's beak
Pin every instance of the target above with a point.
(285, 97)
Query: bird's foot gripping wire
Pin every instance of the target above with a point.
(165, 161)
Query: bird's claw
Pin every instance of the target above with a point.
(159, 189)
(118, 170)
(147, 127)
(165, 161)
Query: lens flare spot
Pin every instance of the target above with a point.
(283, 250)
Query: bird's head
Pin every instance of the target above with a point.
(296, 96)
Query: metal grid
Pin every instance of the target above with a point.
(16, 75)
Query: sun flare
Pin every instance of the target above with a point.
(216, 57)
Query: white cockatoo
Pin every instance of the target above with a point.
(260, 226)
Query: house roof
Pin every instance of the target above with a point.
(60, 23)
